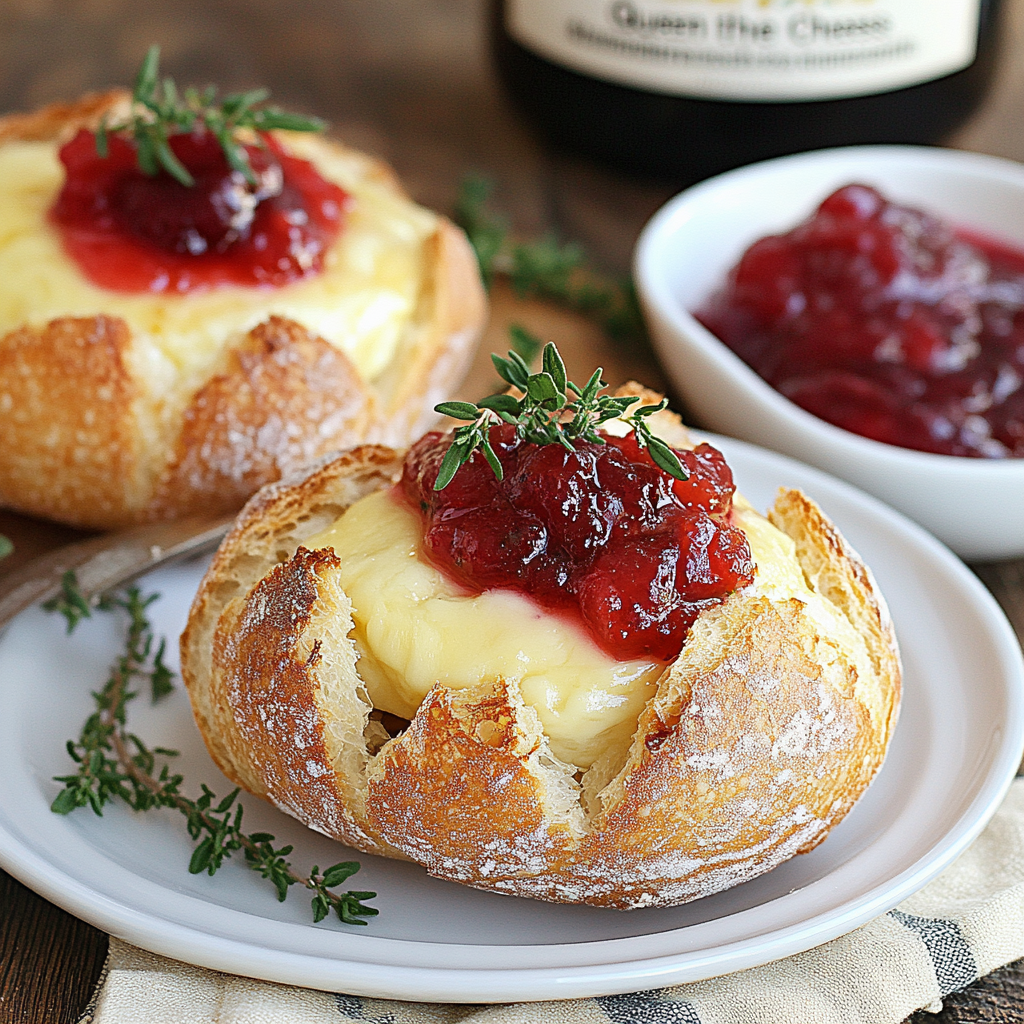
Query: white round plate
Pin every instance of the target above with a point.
(954, 753)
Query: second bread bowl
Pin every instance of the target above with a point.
(118, 407)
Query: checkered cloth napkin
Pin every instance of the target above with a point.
(967, 922)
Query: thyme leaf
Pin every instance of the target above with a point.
(552, 410)
(524, 343)
(70, 602)
(115, 764)
(6, 547)
(159, 111)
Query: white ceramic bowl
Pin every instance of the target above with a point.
(976, 506)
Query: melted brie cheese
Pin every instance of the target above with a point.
(414, 627)
(362, 301)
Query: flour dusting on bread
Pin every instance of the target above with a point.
(118, 408)
(758, 740)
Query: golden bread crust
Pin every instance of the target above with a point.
(276, 396)
(267, 532)
(759, 739)
(269, 678)
(69, 404)
(61, 120)
(284, 398)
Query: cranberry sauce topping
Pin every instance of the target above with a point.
(599, 531)
(134, 233)
(883, 320)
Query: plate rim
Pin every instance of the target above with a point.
(377, 978)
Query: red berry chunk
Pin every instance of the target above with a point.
(883, 320)
(599, 532)
(132, 232)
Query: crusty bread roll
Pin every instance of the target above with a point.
(116, 409)
(759, 738)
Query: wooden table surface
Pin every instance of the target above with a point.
(407, 80)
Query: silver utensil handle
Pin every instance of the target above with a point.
(108, 561)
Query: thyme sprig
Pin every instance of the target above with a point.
(6, 547)
(552, 410)
(73, 604)
(159, 111)
(544, 267)
(115, 764)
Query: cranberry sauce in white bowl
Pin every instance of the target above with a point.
(685, 255)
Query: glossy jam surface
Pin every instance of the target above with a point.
(599, 532)
(887, 322)
(131, 232)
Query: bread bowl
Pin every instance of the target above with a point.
(742, 751)
(119, 408)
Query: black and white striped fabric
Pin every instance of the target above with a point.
(967, 922)
(951, 955)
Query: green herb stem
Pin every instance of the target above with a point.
(159, 111)
(552, 410)
(114, 763)
(546, 268)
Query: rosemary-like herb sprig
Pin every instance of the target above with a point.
(545, 268)
(159, 111)
(114, 763)
(552, 410)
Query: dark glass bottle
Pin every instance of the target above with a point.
(686, 138)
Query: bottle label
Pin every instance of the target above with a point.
(752, 49)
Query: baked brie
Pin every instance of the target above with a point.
(338, 674)
(123, 407)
